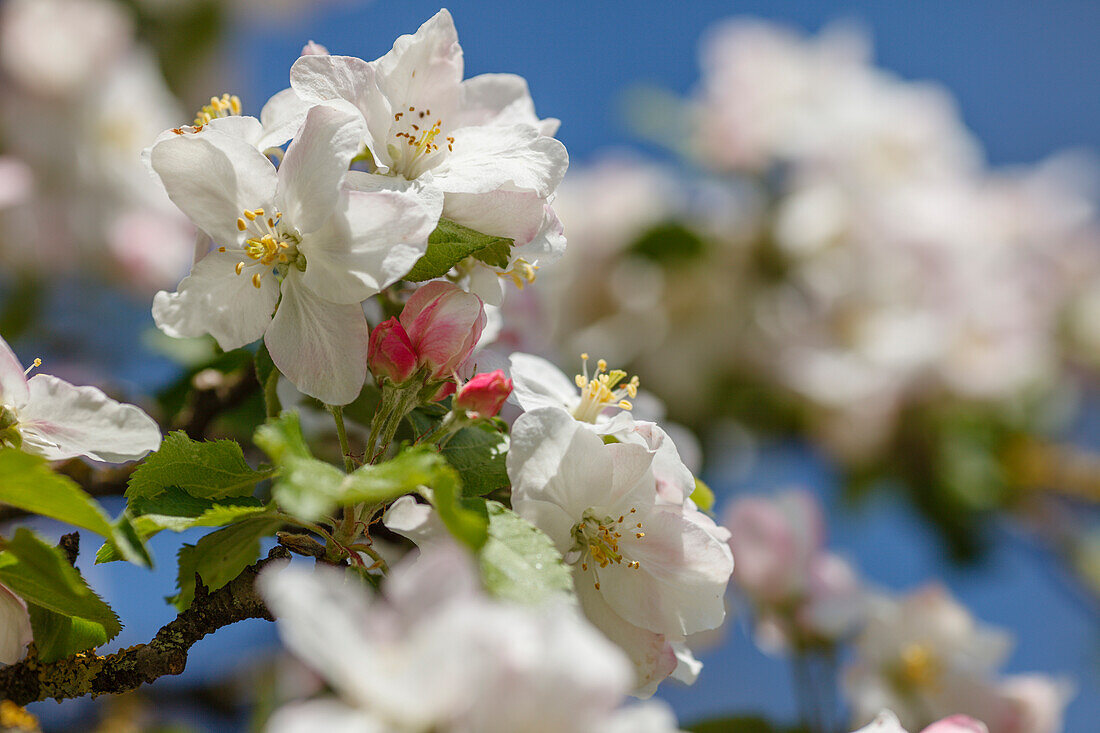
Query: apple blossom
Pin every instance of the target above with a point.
(443, 656)
(642, 568)
(477, 140)
(538, 383)
(484, 394)
(314, 239)
(15, 627)
(51, 418)
(924, 656)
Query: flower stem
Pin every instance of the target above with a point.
(342, 435)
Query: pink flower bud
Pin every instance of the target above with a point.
(444, 323)
(484, 394)
(390, 353)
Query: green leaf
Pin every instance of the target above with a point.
(478, 452)
(219, 557)
(281, 437)
(309, 489)
(27, 482)
(703, 496)
(497, 254)
(207, 470)
(177, 510)
(465, 518)
(41, 575)
(451, 243)
(519, 562)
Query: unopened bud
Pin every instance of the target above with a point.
(390, 354)
(443, 323)
(484, 394)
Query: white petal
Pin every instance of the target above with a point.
(281, 117)
(13, 382)
(242, 127)
(501, 99)
(654, 716)
(687, 666)
(553, 459)
(320, 346)
(517, 215)
(315, 164)
(424, 70)
(416, 522)
(318, 79)
(651, 654)
(886, 722)
(373, 240)
(515, 158)
(538, 383)
(680, 587)
(331, 716)
(215, 300)
(15, 627)
(322, 621)
(62, 421)
(213, 177)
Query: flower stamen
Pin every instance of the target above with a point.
(227, 105)
(34, 365)
(604, 389)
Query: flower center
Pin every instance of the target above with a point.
(271, 245)
(917, 667)
(597, 539)
(227, 105)
(10, 436)
(604, 389)
(522, 273)
(414, 148)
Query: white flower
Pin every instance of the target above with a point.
(49, 417)
(15, 627)
(480, 138)
(538, 383)
(310, 238)
(642, 568)
(925, 657)
(435, 653)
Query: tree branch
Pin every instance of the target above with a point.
(85, 673)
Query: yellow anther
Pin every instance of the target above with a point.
(584, 356)
(602, 365)
(241, 224)
(239, 268)
(221, 249)
(34, 365)
(580, 381)
(224, 106)
(256, 280)
(250, 215)
(626, 405)
(639, 535)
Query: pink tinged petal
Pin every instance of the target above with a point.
(15, 627)
(329, 715)
(214, 299)
(444, 324)
(425, 69)
(652, 655)
(538, 383)
(958, 724)
(213, 177)
(315, 164)
(390, 354)
(512, 158)
(378, 232)
(314, 49)
(281, 117)
(62, 421)
(680, 587)
(319, 346)
(484, 394)
(13, 382)
(318, 79)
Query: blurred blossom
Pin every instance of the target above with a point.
(887, 722)
(444, 656)
(924, 656)
(801, 594)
